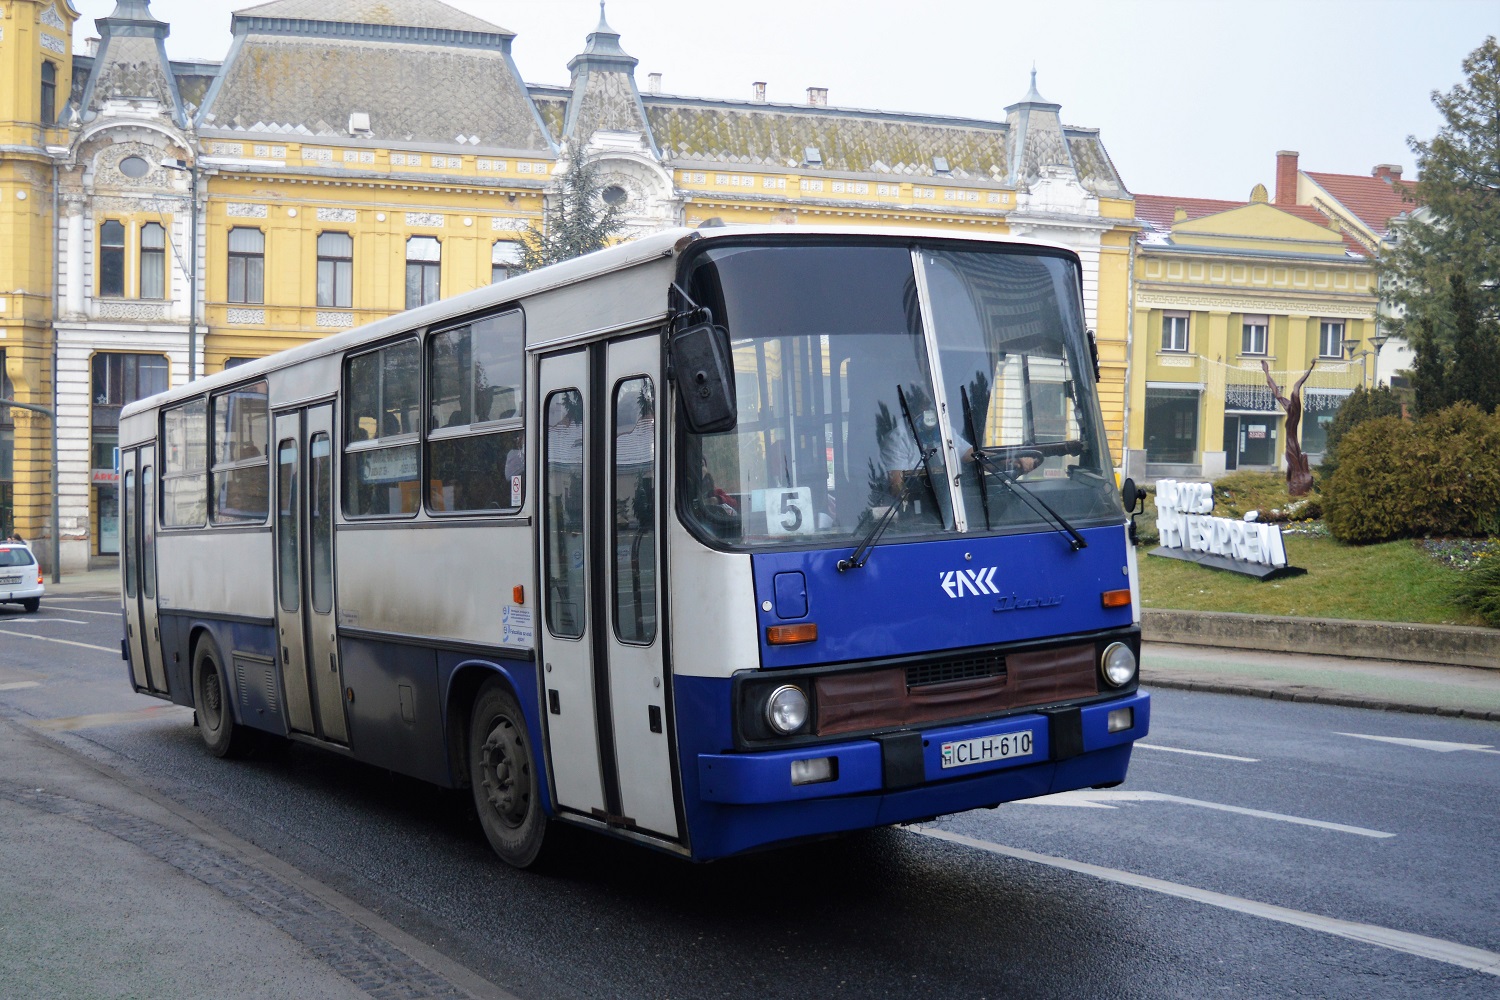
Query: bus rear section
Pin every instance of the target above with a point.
(900, 585)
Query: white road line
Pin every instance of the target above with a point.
(1102, 797)
(1438, 745)
(65, 642)
(1199, 753)
(1420, 945)
(86, 611)
(45, 620)
(20, 685)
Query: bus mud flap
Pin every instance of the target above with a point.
(901, 760)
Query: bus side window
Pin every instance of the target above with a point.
(381, 389)
(567, 588)
(476, 438)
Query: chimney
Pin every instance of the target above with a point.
(91, 45)
(1388, 172)
(760, 91)
(1286, 177)
(653, 83)
(817, 96)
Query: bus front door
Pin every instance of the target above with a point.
(305, 625)
(607, 687)
(138, 569)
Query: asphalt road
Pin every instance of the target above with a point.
(1260, 848)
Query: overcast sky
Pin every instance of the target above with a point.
(1193, 97)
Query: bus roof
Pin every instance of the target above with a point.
(648, 248)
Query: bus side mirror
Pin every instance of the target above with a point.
(704, 371)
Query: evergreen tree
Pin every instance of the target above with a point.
(578, 221)
(1445, 269)
(1361, 405)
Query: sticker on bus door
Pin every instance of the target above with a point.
(788, 511)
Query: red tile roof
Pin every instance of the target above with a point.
(1160, 211)
(1372, 200)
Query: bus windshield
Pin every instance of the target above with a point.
(952, 385)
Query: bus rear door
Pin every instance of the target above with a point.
(138, 495)
(305, 625)
(607, 687)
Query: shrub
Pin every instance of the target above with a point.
(1479, 591)
(1363, 404)
(1436, 476)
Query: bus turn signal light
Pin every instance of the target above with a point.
(518, 594)
(1116, 598)
(786, 635)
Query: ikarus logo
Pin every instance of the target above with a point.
(978, 582)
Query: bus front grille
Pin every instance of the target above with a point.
(944, 671)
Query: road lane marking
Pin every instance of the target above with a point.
(88, 611)
(1463, 956)
(43, 620)
(1438, 745)
(65, 642)
(1198, 753)
(1102, 797)
(20, 685)
(75, 722)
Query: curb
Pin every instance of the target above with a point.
(1445, 645)
(1302, 697)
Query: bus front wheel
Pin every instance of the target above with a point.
(211, 703)
(504, 777)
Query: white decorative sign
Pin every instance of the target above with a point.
(337, 215)
(335, 319)
(254, 316)
(432, 220)
(239, 210)
(1183, 521)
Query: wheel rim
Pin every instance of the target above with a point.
(506, 773)
(212, 697)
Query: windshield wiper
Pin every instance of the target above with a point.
(980, 467)
(861, 554)
(925, 452)
(1036, 503)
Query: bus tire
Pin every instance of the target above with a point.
(503, 777)
(211, 703)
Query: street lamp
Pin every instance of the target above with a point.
(56, 526)
(191, 169)
(1377, 341)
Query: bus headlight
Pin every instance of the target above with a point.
(786, 709)
(1117, 664)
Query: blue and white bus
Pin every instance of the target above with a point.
(716, 540)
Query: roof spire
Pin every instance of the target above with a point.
(1032, 97)
(603, 24)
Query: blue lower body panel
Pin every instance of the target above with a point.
(743, 800)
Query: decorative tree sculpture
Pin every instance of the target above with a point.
(1298, 472)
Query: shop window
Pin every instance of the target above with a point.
(153, 261)
(240, 478)
(118, 380)
(112, 258)
(1172, 426)
(381, 390)
(474, 423)
(247, 266)
(424, 256)
(1174, 332)
(336, 270)
(1253, 335)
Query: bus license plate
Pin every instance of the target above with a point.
(982, 749)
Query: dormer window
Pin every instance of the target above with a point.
(812, 156)
(940, 165)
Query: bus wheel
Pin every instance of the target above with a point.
(211, 703)
(504, 777)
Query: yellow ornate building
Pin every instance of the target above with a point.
(1224, 290)
(347, 160)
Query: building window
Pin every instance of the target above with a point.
(1331, 338)
(7, 456)
(247, 265)
(118, 380)
(424, 255)
(474, 403)
(153, 261)
(112, 258)
(1174, 332)
(336, 270)
(236, 362)
(505, 260)
(49, 93)
(1253, 339)
(1172, 426)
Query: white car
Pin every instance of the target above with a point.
(20, 576)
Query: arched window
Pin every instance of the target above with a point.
(112, 258)
(424, 256)
(153, 261)
(49, 93)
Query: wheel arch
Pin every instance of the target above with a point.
(464, 684)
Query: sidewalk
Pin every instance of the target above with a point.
(94, 582)
(109, 889)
